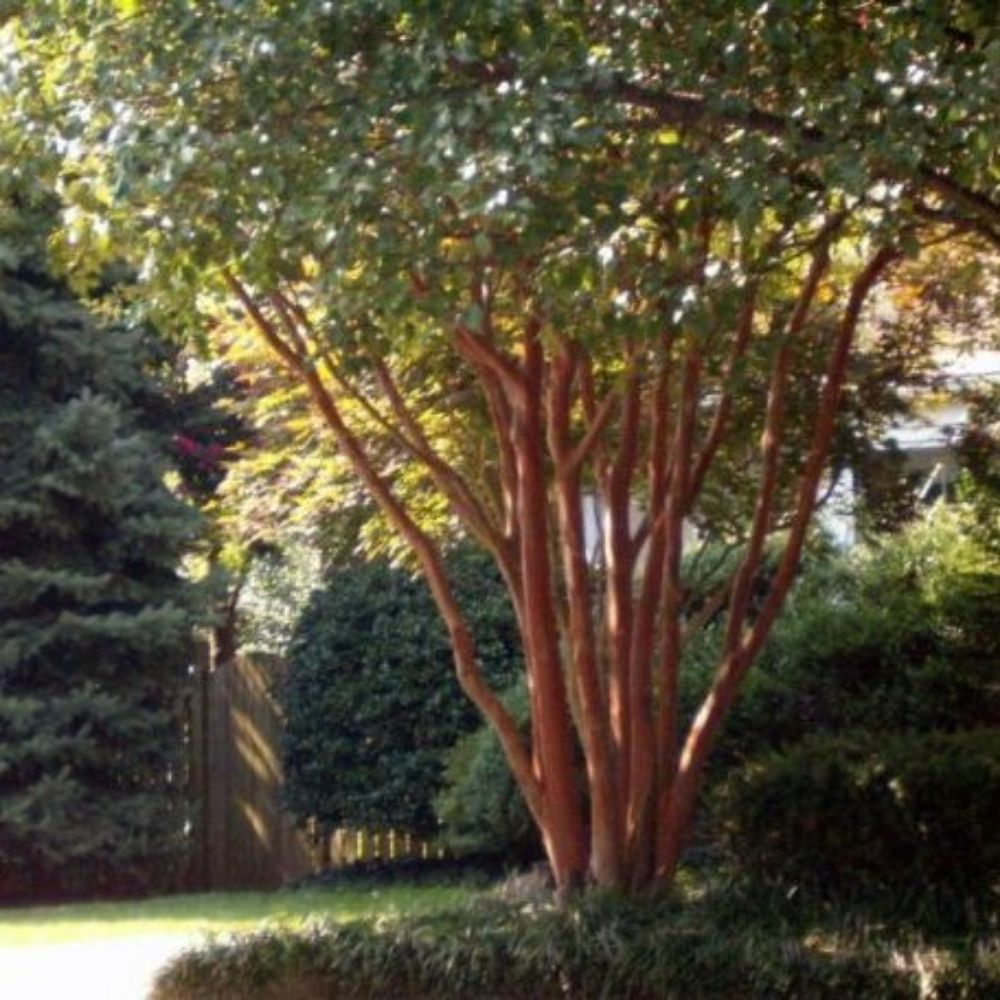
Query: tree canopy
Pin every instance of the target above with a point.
(525, 258)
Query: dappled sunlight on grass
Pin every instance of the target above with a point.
(214, 913)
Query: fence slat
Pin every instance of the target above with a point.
(241, 838)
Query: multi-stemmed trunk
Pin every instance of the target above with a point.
(609, 774)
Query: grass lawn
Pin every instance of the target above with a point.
(215, 912)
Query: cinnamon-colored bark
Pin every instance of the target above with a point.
(606, 859)
(620, 562)
(603, 640)
(563, 831)
(678, 811)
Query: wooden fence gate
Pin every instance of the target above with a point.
(241, 837)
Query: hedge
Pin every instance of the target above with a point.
(863, 813)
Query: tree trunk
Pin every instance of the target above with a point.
(610, 692)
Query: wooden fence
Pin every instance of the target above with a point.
(241, 838)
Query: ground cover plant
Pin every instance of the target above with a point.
(711, 941)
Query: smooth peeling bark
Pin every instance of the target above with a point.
(671, 639)
(606, 861)
(677, 808)
(642, 765)
(563, 830)
(620, 562)
(553, 433)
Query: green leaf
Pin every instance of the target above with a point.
(473, 318)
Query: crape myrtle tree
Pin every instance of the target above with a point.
(534, 260)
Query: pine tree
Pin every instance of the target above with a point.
(94, 616)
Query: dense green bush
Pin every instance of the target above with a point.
(903, 636)
(863, 813)
(372, 701)
(480, 808)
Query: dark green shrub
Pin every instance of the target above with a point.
(480, 807)
(902, 637)
(372, 701)
(601, 947)
(864, 813)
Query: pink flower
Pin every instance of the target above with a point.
(186, 446)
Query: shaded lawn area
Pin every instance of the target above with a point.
(215, 913)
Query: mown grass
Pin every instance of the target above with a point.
(216, 913)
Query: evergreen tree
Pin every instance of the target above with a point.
(94, 616)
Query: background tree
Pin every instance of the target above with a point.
(209, 437)
(95, 618)
(369, 711)
(938, 311)
(271, 511)
(523, 256)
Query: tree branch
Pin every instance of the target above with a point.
(670, 643)
(595, 735)
(819, 449)
(691, 110)
(641, 777)
(771, 440)
(595, 428)
(720, 421)
(478, 351)
(620, 566)
(463, 645)
(677, 811)
(448, 479)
